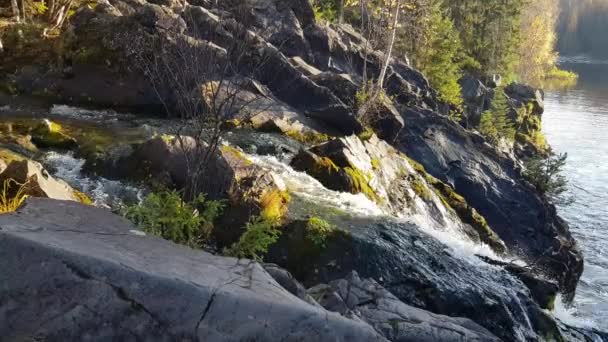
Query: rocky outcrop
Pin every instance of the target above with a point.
(491, 182)
(419, 270)
(91, 276)
(31, 179)
(368, 301)
(377, 170)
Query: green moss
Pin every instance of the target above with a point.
(467, 214)
(309, 137)
(416, 165)
(360, 184)
(231, 151)
(421, 189)
(367, 134)
(325, 164)
(50, 134)
(274, 205)
(318, 231)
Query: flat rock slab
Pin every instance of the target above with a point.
(70, 272)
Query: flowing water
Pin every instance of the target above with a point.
(576, 122)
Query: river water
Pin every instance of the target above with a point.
(576, 122)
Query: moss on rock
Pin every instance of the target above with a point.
(274, 205)
(82, 197)
(359, 183)
(310, 137)
(49, 134)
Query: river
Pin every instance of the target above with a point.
(576, 122)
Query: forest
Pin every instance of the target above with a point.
(446, 39)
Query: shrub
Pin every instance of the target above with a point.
(318, 230)
(495, 123)
(165, 214)
(259, 235)
(11, 202)
(545, 173)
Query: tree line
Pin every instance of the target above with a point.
(448, 38)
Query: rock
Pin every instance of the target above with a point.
(417, 269)
(38, 183)
(491, 183)
(91, 276)
(372, 303)
(287, 281)
(341, 85)
(304, 67)
(377, 170)
(526, 94)
(476, 97)
(49, 134)
(543, 291)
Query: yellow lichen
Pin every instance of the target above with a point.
(360, 184)
(309, 137)
(82, 197)
(228, 150)
(325, 164)
(273, 205)
(375, 164)
(421, 189)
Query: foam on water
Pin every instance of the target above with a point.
(446, 231)
(86, 114)
(306, 186)
(103, 192)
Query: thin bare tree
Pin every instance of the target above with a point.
(202, 83)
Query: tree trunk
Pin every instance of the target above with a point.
(15, 8)
(389, 48)
(341, 17)
(23, 13)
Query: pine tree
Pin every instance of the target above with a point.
(495, 123)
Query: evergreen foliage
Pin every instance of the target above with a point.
(495, 123)
(545, 173)
(259, 235)
(165, 214)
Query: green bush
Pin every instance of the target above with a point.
(318, 230)
(545, 173)
(495, 123)
(165, 214)
(259, 235)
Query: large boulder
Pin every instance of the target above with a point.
(33, 180)
(91, 276)
(50, 134)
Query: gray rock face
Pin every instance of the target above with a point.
(368, 301)
(73, 273)
(421, 272)
(492, 184)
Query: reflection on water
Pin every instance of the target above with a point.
(576, 121)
